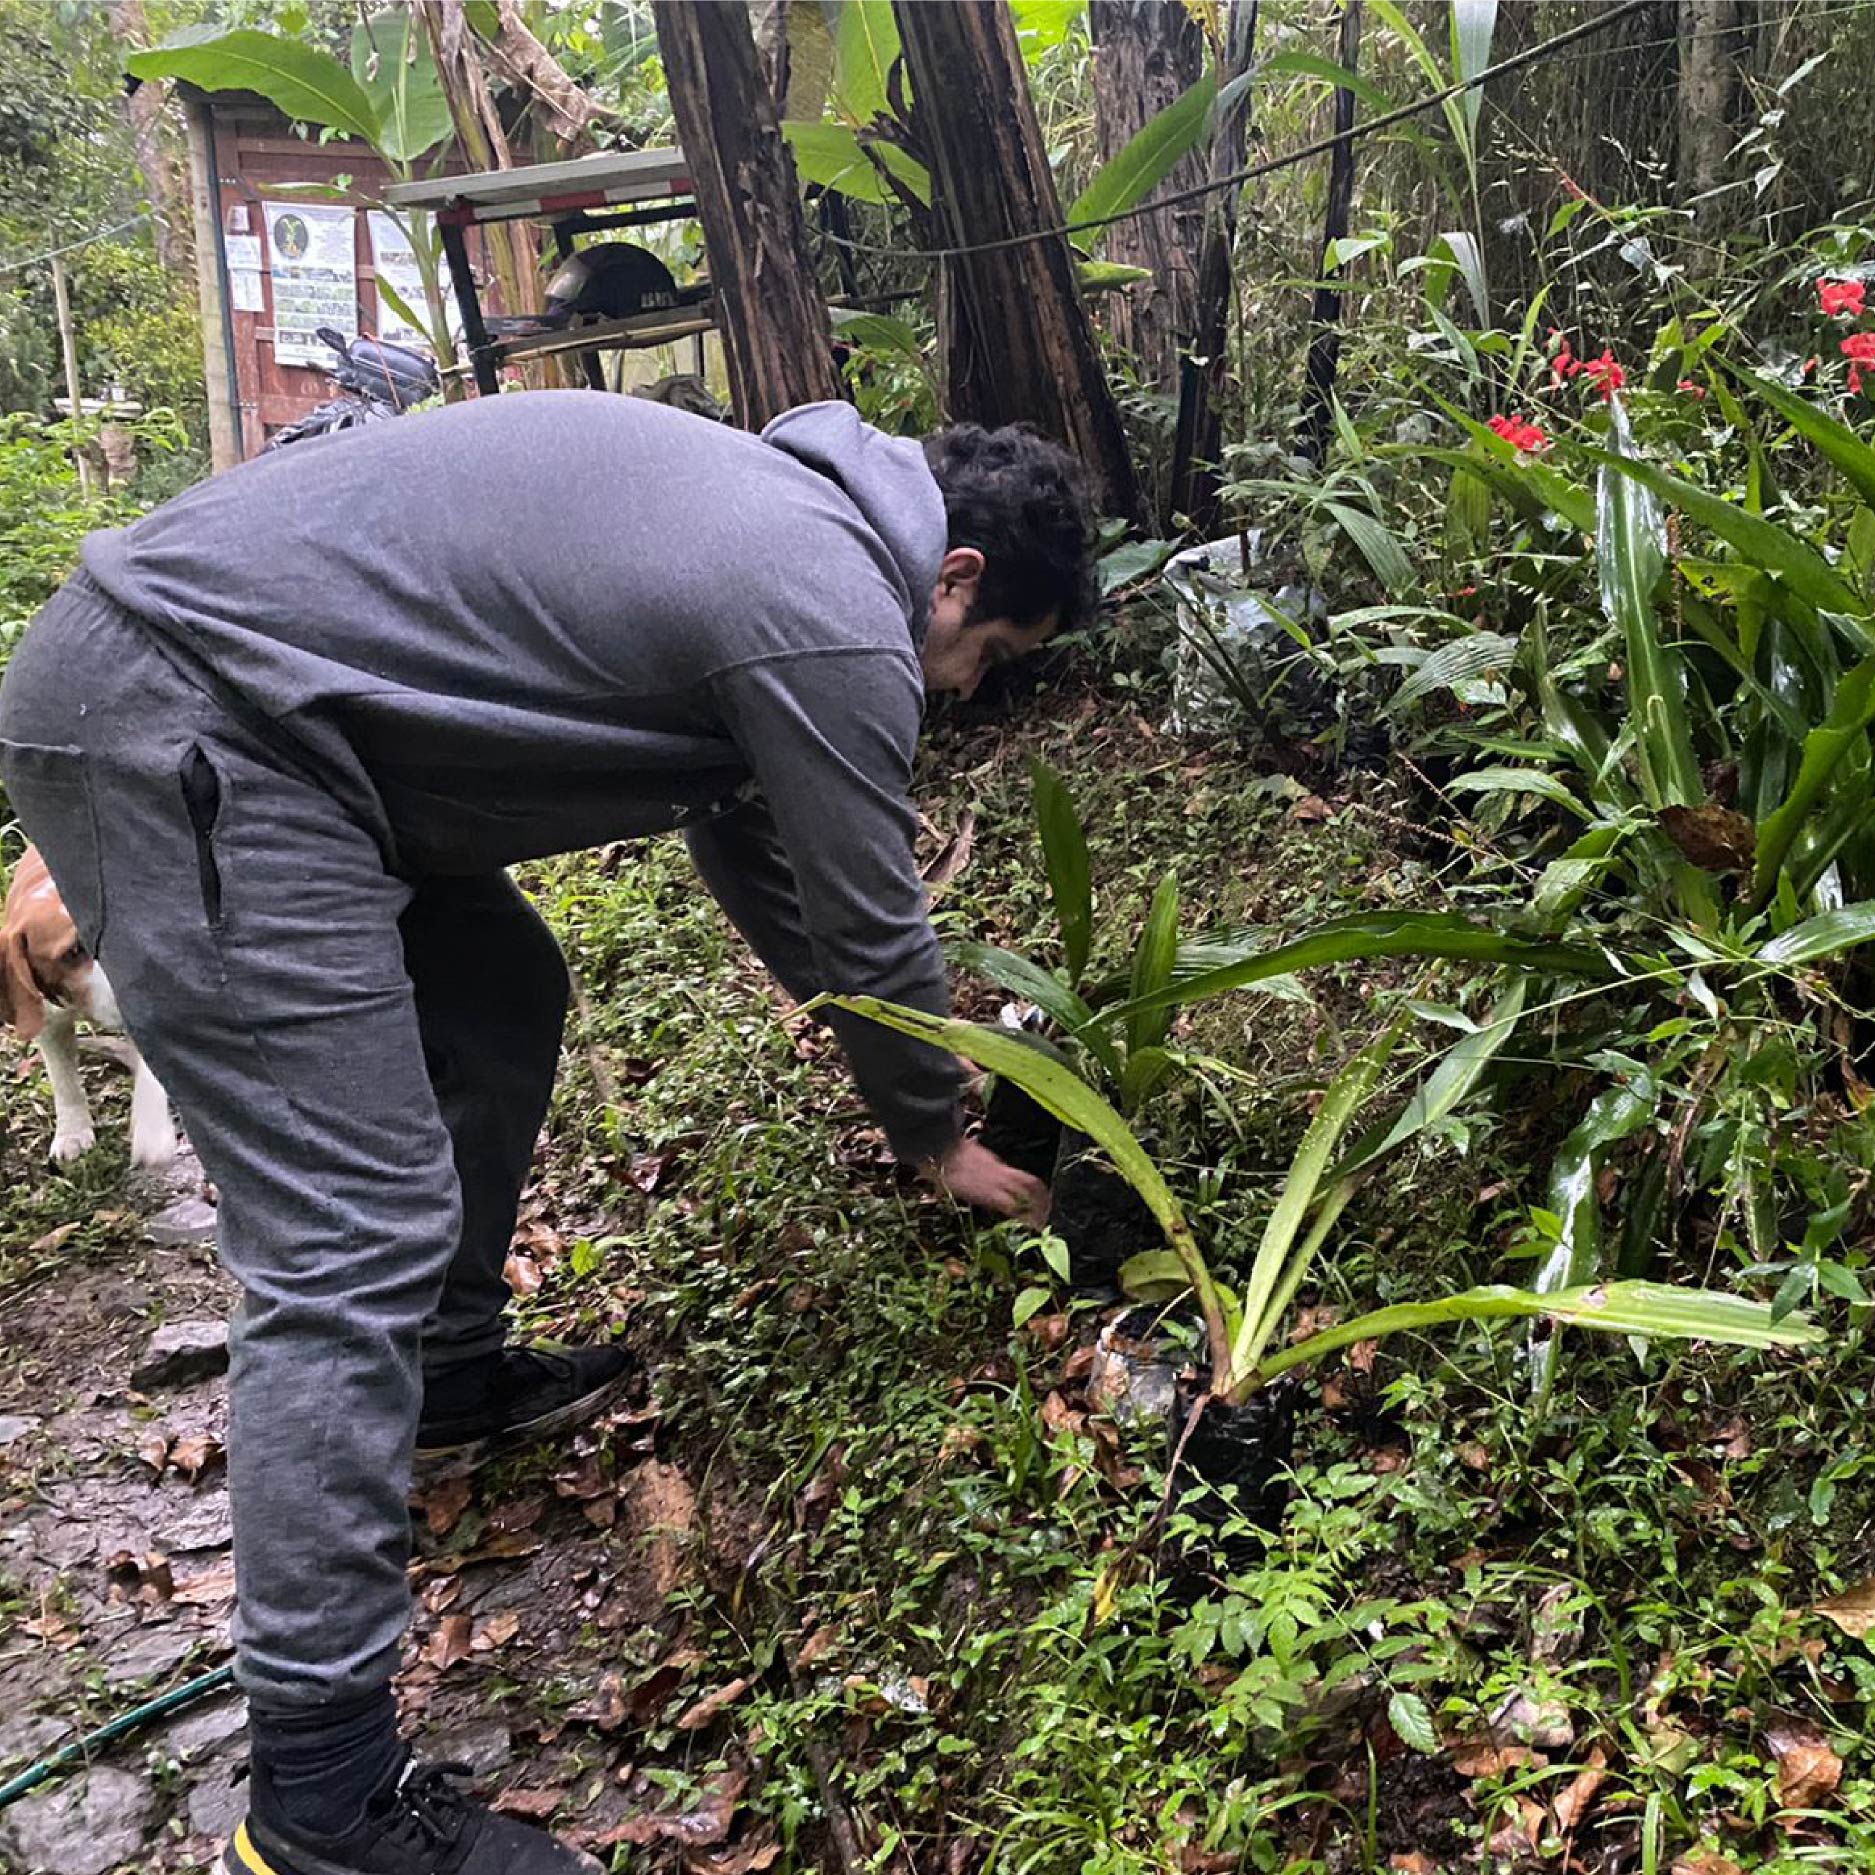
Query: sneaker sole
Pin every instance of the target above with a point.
(435, 1461)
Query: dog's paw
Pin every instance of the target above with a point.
(73, 1145)
(155, 1148)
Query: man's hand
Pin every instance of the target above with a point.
(972, 1174)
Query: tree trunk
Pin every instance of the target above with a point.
(143, 112)
(1017, 339)
(1325, 314)
(1198, 446)
(768, 304)
(1707, 80)
(1146, 54)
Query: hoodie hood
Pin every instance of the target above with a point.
(886, 478)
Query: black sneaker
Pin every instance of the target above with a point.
(419, 1823)
(519, 1394)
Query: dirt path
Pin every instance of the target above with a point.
(541, 1625)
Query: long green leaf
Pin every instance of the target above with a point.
(1537, 781)
(1615, 1114)
(1828, 934)
(1759, 543)
(1272, 1277)
(1074, 1104)
(1314, 65)
(1473, 23)
(1631, 550)
(306, 84)
(392, 61)
(1378, 545)
(1835, 440)
(1065, 860)
(1021, 976)
(1656, 1310)
(1153, 959)
(1851, 710)
(1450, 1083)
(1478, 655)
(1380, 934)
(1150, 155)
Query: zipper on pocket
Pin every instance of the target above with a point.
(201, 796)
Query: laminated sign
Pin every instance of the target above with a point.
(396, 267)
(315, 277)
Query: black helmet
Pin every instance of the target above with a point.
(613, 280)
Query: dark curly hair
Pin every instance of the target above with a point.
(1023, 503)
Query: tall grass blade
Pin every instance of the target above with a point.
(1851, 710)
(1152, 968)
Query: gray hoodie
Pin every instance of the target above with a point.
(537, 622)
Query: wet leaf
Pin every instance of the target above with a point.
(1808, 1769)
(710, 1705)
(1853, 1610)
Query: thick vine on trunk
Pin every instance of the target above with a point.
(1018, 344)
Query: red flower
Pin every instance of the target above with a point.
(1606, 375)
(1520, 433)
(1692, 387)
(1811, 366)
(1859, 349)
(1841, 296)
(1563, 363)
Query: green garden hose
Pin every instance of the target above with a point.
(185, 1695)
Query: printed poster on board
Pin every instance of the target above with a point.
(394, 262)
(315, 277)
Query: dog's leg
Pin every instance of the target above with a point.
(72, 1134)
(152, 1131)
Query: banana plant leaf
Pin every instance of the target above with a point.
(306, 84)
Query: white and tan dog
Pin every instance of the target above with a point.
(48, 980)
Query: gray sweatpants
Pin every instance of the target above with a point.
(363, 1062)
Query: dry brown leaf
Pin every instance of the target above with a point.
(1310, 808)
(954, 855)
(204, 1590)
(1716, 839)
(1853, 1610)
(44, 1246)
(1480, 1758)
(1807, 1768)
(522, 1273)
(1048, 1332)
(710, 1705)
(496, 1631)
(1311, 1321)
(606, 1709)
(449, 1643)
(153, 1449)
(438, 1595)
(1361, 1356)
(534, 1804)
(1572, 1804)
(708, 1823)
(743, 1858)
(1414, 1862)
(443, 1503)
(1706, 1862)
(195, 1454)
(816, 1644)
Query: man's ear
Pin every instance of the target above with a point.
(961, 567)
(22, 1007)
